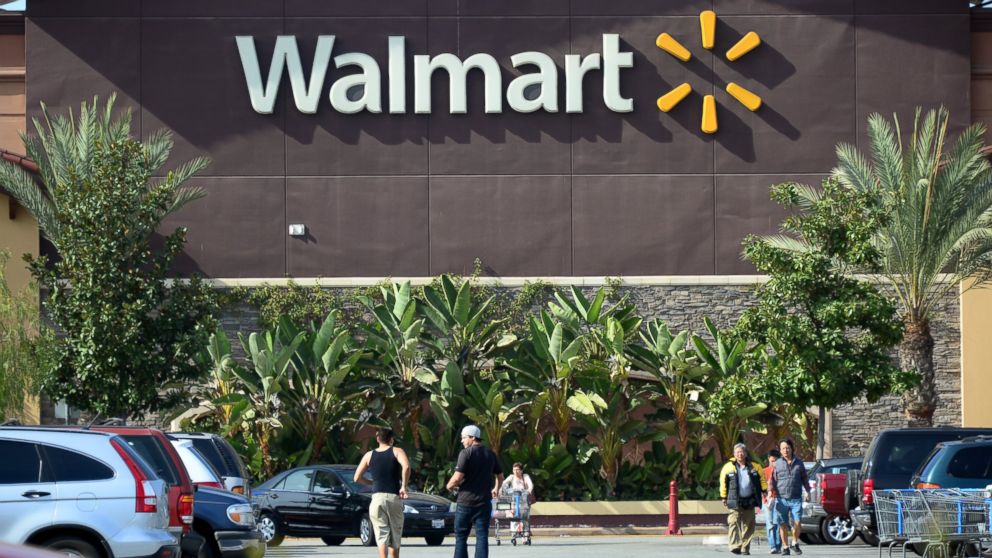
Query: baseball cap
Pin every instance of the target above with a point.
(473, 431)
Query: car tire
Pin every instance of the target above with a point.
(269, 528)
(838, 529)
(72, 546)
(868, 538)
(333, 541)
(207, 549)
(366, 533)
(434, 540)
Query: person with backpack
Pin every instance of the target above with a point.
(742, 486)
(389, 468)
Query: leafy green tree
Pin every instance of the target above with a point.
(130, 335)
(830, 333)
(25, 346)
(939, 198)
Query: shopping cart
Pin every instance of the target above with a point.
(512, 509)
(941, 521)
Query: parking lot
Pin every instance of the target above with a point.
(570, 547)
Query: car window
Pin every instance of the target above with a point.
(298, 481)
(971, 463)
(840, 468)
(71, 466)
(325, 481)
(209, 452)
(20, 464)
(901, 455)
(149, 450)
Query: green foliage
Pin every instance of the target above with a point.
(298, 304)
(26, 347)
(130, 334)
(825, 336)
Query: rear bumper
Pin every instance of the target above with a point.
(864, 520)
(423, 526)
(240, 544)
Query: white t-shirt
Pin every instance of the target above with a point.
(513, 483)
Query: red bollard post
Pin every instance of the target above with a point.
(673, 509)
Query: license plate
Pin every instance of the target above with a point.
(437, 523)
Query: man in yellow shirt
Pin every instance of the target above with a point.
(741, 488)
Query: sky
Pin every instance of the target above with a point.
(17, 6)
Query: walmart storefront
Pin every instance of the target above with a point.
(566, 139)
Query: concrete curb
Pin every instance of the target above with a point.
(613, 531)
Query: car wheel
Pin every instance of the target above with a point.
(332, 541)
(72, 546)
(269, 529)
(434, 540)
(838, 529)
(366, 533)
(870, 539)
(207, 549)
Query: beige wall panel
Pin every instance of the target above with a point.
(18, 236)
(9, 137)
(976, 357)
(12, 98)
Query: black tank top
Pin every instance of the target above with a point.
(385, 470)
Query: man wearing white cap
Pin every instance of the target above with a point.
(478, 476)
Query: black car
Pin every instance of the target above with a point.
(891, 459)
(323, 501)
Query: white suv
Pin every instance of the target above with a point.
(81, 493)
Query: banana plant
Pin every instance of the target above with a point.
(257, 406)
(606, 329)
(727, 389)
(546, 367)
(488, 407)
(679, 378)
(219, 361)
(321, 392)
(396, 339)
(611, 425)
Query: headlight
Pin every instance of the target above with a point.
(453, 508)
(241, 514)
(409, 509)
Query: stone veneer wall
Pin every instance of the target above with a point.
(684, 306)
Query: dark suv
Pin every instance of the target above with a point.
(891, 460)
(963, 464)
(222, 456)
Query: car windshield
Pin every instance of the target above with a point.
(149, 449)
(196, 465)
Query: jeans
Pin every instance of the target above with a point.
(771, 525)
(465, 517)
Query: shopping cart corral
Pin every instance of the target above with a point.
(512, 510)
(942, 522)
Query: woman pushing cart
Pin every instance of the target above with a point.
(513, 505)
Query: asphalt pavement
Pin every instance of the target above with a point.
(569, 547)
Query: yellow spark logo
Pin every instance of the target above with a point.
(707, 27)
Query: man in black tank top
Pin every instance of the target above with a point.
(390, 471)
(474, 476)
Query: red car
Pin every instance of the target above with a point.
(153, 446)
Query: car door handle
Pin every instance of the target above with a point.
(35, 494)
(274, 496)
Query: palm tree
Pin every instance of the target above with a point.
(940, 228)
(64, 150)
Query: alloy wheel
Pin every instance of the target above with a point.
(267, 527)
(839, 529)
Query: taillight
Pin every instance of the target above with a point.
(238, 489)
(823, 490)
(866, 492)
(186, 508)
(145, 500)
(926, 485)
(210, 484)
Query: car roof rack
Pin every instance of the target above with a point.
(977, 438)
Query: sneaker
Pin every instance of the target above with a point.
(774, 551)
(746, 553)
(785, 551)
(735, 551)
(795, 550)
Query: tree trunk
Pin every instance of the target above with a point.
(821, 432)
(916, 355)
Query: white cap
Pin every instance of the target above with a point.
(473, 431)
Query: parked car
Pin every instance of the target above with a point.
(324, 501)
(960, 464)
(891, 460)
(155, 448)
(817, 523)
(222, 456)
(81, 493)
(224, 519)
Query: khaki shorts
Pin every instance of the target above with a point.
(386, 513)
